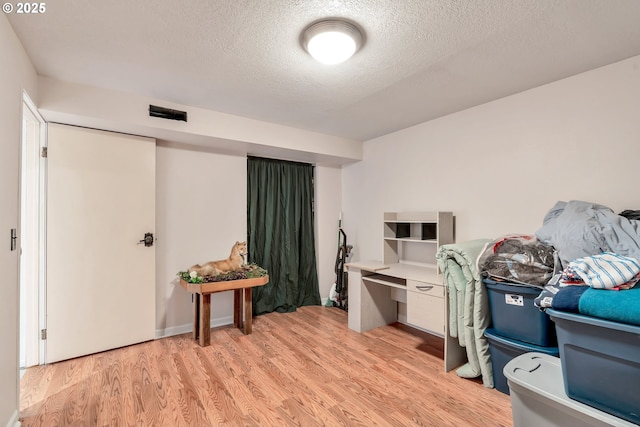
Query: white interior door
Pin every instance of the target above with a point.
(100, 204)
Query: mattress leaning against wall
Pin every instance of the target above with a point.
(469, 314)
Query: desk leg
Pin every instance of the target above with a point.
(237, 308)
(248, 311)
(205, 320)
(196, 316)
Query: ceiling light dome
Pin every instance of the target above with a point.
(332, 41)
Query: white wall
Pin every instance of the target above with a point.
(106, 109)
(328, 196)
(201, 212)
(16, 74)
(500, 166)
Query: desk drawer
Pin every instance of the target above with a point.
(423, 288)
(425, 311)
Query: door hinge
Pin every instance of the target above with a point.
(43, 334)
(44, 152)
(14, 238)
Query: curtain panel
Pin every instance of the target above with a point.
(280, 224)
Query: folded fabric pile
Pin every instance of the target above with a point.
(583, 288)
(604, 271)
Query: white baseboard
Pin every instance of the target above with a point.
(183, 329)
(14, 421)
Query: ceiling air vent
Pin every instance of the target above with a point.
(167, 113)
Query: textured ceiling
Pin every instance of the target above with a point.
(421, 59)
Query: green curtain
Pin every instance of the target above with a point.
(281, 234)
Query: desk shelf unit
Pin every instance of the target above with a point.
(414, 237)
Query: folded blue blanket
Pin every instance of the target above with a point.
(567, 298)
(619, 306)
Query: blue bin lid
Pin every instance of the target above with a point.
(592, 321)
(492, 336)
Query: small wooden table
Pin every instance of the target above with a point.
(242, 308)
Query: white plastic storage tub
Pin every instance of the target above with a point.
(503, 349)
(538, 397)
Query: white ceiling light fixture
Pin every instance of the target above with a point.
(332, 41)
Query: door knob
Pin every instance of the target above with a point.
(148, 239)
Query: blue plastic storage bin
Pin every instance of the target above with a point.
(515, 316)
(503, 349)
(600, 363)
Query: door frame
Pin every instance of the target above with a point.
(33, 291)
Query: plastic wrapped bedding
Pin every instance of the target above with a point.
(517, 259)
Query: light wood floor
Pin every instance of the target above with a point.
(304, 369)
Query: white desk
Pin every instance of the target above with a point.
(375, 289)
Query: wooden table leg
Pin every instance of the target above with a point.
(205, 320)
(237, 308)
(196, 316)
(248, 311)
